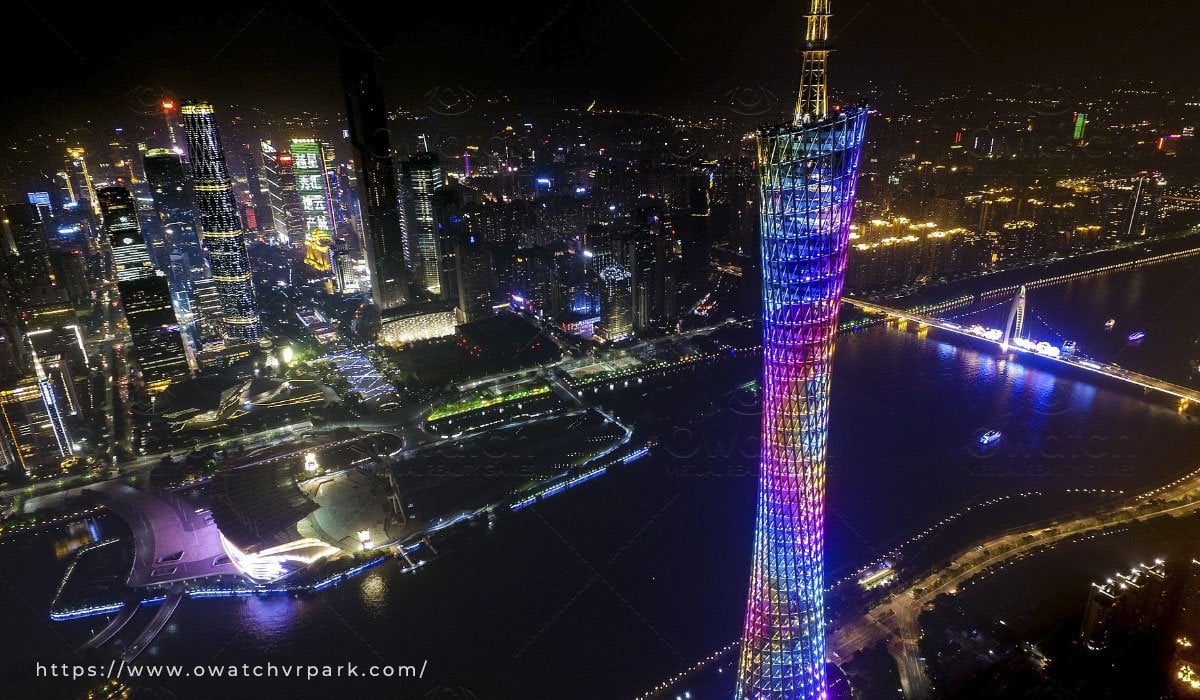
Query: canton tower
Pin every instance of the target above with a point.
(808, 172)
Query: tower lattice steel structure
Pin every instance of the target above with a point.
(808, 172)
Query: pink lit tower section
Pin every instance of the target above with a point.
(808, 173)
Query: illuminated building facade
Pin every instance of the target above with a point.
(186, 269)
(344, 277)
(158, 345)
(311, 163)
(280, 176)
(131, 256)
(35, 410)
(34, 425)
(77, 180)
(27, 261)
(807, 177)
(383, 235)
(420, 176)
(418, 322)
(318, 255)
(220, 228)
(616, 304)
(1079, 127)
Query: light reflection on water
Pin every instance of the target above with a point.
(373, 591)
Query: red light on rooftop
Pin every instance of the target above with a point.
(168, 105)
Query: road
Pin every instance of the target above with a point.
(898, 616)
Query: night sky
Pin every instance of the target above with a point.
(106, 58)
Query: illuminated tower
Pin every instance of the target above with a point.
(313, 163)
(616, 304)
(220, 227)
(79, 179)
(145, 295)
(310, 160)
(808, 173)
(185, 265)
(420, 176)
(168, 109)
(383, 236)
(280, 171)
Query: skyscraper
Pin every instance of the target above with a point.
(384, 234)
(26, 258)
(463, 260)
(220, 228)
(78, 179)
(173, 200)
(344, 279)
(185, 266)
(807, 178)
(145, 295)
(473, 272)
(309, 158)
(279, 169)
(259, 196)
(312, 162)
(616, 304)
(131, 258)
(420, 176)
(449, 227)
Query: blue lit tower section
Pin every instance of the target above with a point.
(220, 226)
(808, 173)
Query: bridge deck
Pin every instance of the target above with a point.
(1107, 370)
(157, 623)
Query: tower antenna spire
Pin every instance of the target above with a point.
(813, 101)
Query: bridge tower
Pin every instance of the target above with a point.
(1016, 320)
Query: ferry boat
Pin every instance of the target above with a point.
(1108, 325)
(1136, 336)
(1068, 347)
(991, 437)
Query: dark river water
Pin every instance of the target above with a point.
(608, 588)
